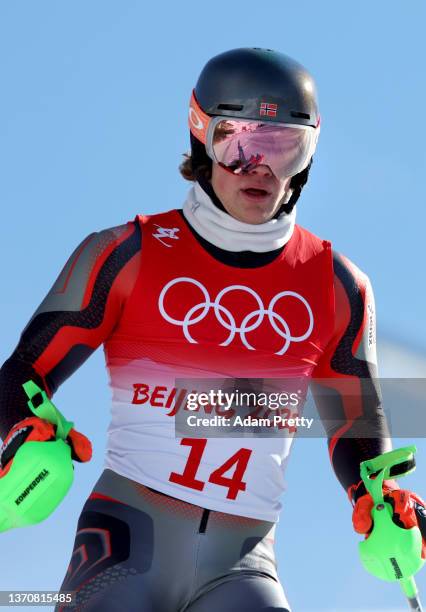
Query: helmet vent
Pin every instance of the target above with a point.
(298, 115)
(230, 107)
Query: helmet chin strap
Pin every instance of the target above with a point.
(208, 188)
(287, 196)
(285, 200)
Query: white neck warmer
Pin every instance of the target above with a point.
(225, 232)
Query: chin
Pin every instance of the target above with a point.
(256, 218)
(258, 215)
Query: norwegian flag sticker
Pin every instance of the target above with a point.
(268, 109)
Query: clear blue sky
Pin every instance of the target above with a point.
(93, 106)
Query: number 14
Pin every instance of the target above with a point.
(234, 484)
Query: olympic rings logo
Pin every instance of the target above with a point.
(223, 315)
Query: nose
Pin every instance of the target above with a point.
(261, 170)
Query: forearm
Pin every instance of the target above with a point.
(354, 422)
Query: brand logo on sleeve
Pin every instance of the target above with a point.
(371, 326)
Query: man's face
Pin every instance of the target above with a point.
(254, 197)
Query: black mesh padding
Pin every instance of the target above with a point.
(13, 399)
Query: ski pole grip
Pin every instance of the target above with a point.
(390, 552)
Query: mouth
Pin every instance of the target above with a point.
(255, 193)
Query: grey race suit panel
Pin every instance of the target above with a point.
(139, 550)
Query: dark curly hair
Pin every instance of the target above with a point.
(197, 166)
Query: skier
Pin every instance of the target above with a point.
(229, 285)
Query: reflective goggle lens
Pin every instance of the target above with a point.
(241, 145)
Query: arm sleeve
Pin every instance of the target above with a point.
(345, 384)
(76, 316)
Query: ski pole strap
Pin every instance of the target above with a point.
(393, 464)
(41, 406)
(405, 467)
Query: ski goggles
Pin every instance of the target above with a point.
(240, 145)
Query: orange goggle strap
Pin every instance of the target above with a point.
(198, 121)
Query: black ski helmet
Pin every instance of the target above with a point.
(237, 82)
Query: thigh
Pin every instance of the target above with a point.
(248, 593)
(111, 559)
